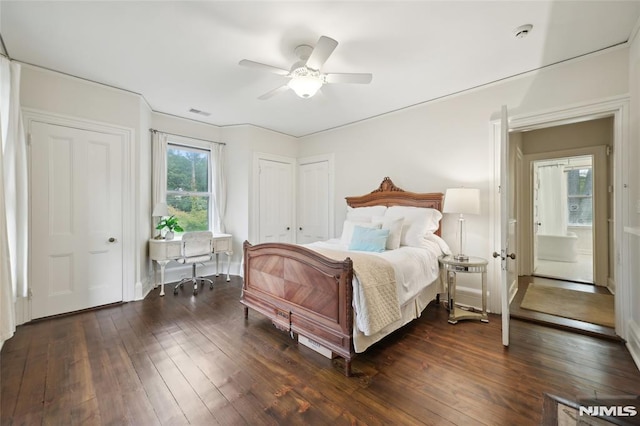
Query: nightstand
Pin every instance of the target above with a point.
(450, 267)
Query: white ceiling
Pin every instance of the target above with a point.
(181, 54)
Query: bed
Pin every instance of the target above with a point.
(308, 290)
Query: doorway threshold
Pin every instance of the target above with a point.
(566, 280)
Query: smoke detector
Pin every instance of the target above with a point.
(523, 30)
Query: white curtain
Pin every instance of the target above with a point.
(552, 201)
(159, 172)
(219, 186)
(13, 198)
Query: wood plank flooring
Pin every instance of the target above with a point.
(195, 360)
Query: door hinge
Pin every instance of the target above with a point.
(30, 294)
(609, 150)
(499, 189)
(29, 139)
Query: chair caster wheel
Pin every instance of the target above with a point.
(211, 286)
(195, 292)
(181, 285)
(175, 291)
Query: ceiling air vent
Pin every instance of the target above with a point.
(197, 111)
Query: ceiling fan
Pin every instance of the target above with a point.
(305, 77)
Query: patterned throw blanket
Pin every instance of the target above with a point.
(376, 298)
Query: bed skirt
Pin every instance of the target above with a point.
(411, 310)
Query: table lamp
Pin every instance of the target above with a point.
(160, 210)
(461, 201)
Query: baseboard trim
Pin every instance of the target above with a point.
(633, 342)
(470, 297)
(143, 289)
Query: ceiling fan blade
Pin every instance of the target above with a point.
(274, 92)
(349, 78)
(265, 67)
(324, 48)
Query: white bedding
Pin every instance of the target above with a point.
(415, 269)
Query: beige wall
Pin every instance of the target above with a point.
(569, 136)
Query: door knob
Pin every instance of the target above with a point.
(510, 255)
(112, 240)
(288, 228)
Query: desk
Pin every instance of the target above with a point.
(164, 251)
(451, 267)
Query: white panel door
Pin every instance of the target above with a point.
(76, 209)
(275, 201)
(505, 202)
(313, 202)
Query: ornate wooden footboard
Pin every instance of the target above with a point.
(302, 292)
(306, 293)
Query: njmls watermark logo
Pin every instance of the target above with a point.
(624, 408)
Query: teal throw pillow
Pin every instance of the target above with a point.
(369, 239)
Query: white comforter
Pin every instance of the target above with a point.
(415, 268)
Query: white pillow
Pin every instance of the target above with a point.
(444, 247)
(394, 225)
(418, 222)
(349, 226)
(364, 214)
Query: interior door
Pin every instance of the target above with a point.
(76, 226)
(275, 201)
(504, 253)
(313, 202)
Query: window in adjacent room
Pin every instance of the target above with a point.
(189, 186)
(580, 195)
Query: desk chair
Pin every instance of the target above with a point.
(197, 247)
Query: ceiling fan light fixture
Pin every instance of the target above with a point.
(305, 86)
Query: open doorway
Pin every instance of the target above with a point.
(563, 218)
(574, 161)
(566, 226)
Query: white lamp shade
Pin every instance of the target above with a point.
(305, 86)
(160, 209)
(462, 200)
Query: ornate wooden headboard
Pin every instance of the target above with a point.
(388, 195)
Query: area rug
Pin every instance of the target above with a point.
(578, 305)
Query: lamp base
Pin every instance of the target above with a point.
(461, 257)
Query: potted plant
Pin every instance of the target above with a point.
(171, 224)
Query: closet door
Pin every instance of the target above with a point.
(76, 219)
(313, 201)
(275, 200)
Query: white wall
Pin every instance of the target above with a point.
(60, 94)
(448, 143)
(70, 97)
(633, 229)
(430, 147)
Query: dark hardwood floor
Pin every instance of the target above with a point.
(556, 321)
(195, 360)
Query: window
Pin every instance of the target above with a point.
(189, 186)
(580, 196)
